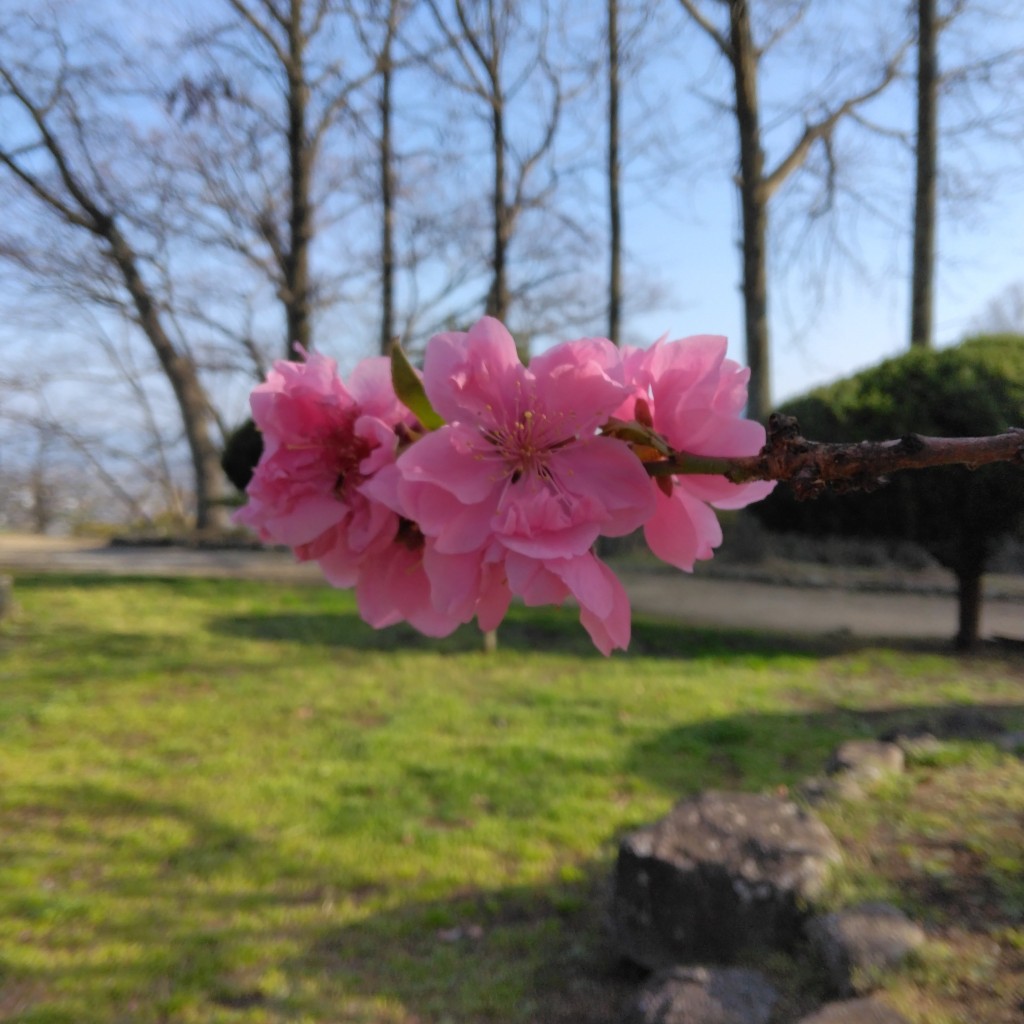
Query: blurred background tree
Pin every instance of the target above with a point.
(189, 189)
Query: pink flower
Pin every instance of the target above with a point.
(322, 443)
(604, 605)
(512, 492)
(694, 397)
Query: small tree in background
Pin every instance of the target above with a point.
(956, 514)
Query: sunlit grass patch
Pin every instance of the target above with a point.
(223, 801)
(945, 841)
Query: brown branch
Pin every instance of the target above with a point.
(824, 127)
(706, 24)
(811, 467)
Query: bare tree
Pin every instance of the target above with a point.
(1003, 314)
(926, 173)
(110, 456)
(482, 36)
(729, 24)
(377, 29)
(271, 79)
(614, 174)
(66, 158)
(982, 49)
(387, 186)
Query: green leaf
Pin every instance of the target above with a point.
(409, 389)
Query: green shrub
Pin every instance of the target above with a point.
(242, 451)
(959, 515)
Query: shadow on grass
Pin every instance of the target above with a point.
(219, 920)
(172, 902)
(328, 619)
(765, 751)
(432, 955)
(550, 631)
(123, 877)
(514, 954)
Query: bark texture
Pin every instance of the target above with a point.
(923, 274)
(614, 191)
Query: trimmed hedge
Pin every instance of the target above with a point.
(959, 515)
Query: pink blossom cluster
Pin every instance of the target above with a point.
(507, 497)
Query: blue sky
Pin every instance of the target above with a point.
(860, 313)
(859, 322)
(681, 219)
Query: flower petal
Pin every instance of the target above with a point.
(456, 459)
(529, 579)
(604, 604)
(580, 384)
(371, 388)
(396, 588)
(718, 491)
(605, 472)
(468, 376)
(683, 530)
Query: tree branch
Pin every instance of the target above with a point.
(96, 219)
(811, 467)
(702, 20)
(261, 29)
(824, 127)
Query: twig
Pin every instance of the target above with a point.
(811, 467)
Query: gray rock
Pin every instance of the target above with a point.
(866, 761)
(855, 1011)
(819, 789)
(720, 872)
(703, 995)
(1011, 742)
(814, 790)
(920, 747)
(858, 943)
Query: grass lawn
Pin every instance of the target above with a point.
(227, 802)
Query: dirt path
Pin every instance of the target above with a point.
(696, 600)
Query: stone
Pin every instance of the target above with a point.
(1011, 742)
(704, 995)
(855, 1011)
(866, 761)
(719, 873)
(856, 944)
(819, 789)
(814, 790)
(920, 747)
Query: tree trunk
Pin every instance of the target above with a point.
(614, 206)
(296, 264)
(387, 183)
(498, 298)
(969, 592)
(923, 274)
(181, 372)
(754, 205)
